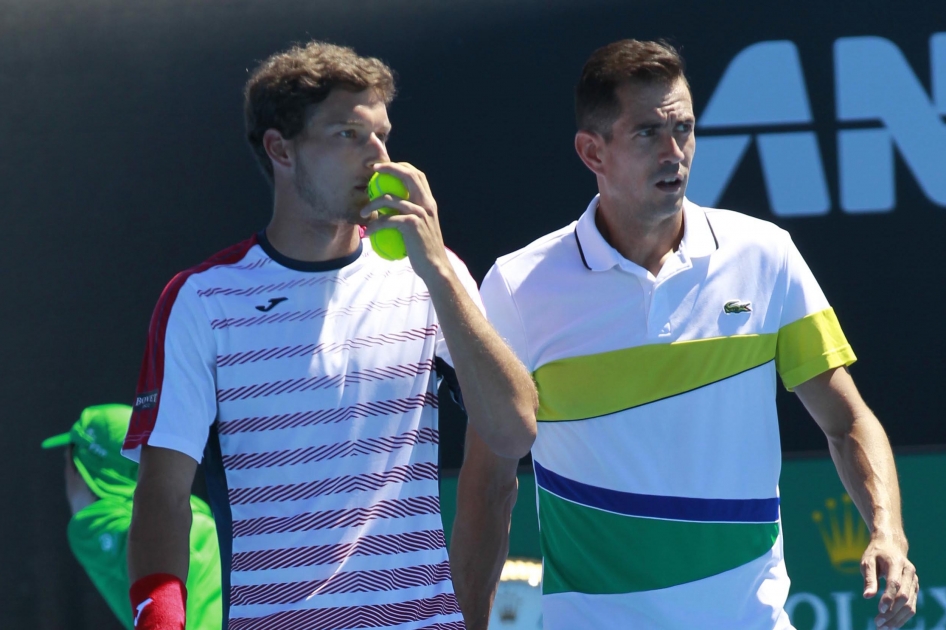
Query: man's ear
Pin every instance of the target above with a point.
(278, 149)
(589, 146)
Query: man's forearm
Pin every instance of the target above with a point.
(862, 455)
(497, 390)
(159, 536)
(866, 466)
(480, 541)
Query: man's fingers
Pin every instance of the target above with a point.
(384, 221)
(869, 571)
(400, 205)
(904, 603)
(895, 580)
(905, 613)
(414, 179)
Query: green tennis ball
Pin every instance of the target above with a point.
(387, 243)
(385, 184)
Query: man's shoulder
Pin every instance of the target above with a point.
(230, 258)
(732, 227)
(199, 277)
(552, 250)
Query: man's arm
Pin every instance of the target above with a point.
(486, 494)
(865, 463)
(159, 538)
(498, 392)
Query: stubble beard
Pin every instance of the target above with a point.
(661, 209)
(321, 208)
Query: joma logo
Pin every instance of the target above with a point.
(763, 96)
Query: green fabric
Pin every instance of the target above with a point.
(810, 346)
(98, 536)
(98, 435)
(57, 440)
(587, 550)
(589, 386)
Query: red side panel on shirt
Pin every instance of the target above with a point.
(148, 396)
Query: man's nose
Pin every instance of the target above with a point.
(670, 150)
(377, 150)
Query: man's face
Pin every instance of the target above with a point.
(646, 165)
(344, 137)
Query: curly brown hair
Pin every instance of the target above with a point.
(596, 101)
(281, 89)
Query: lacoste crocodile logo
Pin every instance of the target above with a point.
(734, 306)
(272, 302)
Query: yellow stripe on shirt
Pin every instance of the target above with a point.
(589, 386)
(809, 346)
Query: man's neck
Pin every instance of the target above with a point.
(641, 237)
(300, 238)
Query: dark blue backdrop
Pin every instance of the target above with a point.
(122, 161)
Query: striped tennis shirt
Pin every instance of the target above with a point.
(310, 392)
(657, 458)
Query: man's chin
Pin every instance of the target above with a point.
(356, 219)
(668, 205)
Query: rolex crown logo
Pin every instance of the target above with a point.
(845, 535)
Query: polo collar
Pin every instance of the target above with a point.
(598, 255)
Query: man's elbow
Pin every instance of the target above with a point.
(522, 429)
(515, 440)
(526, 438)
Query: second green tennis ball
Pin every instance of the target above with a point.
(387, 243)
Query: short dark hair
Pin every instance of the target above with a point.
(283, 86)
(596, 101)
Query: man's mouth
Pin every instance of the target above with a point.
(670, 183)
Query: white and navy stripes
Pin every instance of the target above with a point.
(320, 385)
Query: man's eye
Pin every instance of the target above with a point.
(685, 127)
(347, 133)
(646, 133)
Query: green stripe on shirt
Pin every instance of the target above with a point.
(592, 551)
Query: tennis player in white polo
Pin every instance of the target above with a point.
(655, 330)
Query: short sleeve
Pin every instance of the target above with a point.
(176, 399)
(504, 316)
(810, 339)
(470, 285)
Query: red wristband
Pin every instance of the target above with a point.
(158, 602)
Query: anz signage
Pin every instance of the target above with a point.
(881, 105)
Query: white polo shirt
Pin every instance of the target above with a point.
(658, 457)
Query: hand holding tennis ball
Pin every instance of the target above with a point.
(387, 243)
